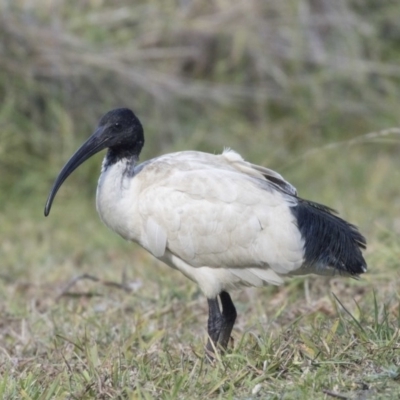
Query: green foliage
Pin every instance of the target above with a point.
(308, 88)
(291, 74)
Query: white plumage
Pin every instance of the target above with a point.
(214, 218)
(221, 221)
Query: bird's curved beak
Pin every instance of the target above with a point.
(96, 142)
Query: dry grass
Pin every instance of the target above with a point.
(311, 338)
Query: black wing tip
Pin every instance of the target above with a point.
(330, 242)
(353, 270)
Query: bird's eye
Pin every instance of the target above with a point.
(117, 125)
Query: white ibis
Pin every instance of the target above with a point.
(223, 222)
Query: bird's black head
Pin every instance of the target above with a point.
(123, 133)
(122, 130)
(119, 130)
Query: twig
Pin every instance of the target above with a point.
(74, 281)
(370, 137)
(335, 395)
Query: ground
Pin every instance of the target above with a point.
(87, 315)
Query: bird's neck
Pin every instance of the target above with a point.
(116, 190)
(128, 155)
(125, 165)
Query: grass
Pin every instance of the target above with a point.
(296, 86)
(311, 338)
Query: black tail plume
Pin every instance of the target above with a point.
(329, 240)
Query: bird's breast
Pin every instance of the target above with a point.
(116, 201)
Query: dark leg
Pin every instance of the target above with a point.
(214, 323)
(229, 318)
(220, 324)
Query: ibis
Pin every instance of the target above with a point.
(223, 222)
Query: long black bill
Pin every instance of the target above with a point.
(93, 145)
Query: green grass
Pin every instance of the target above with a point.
(310, 337)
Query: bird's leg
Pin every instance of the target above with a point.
(214, 323)
(220, 324)
(228, 318)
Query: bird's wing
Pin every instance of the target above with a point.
(219, 217)
(272, 177)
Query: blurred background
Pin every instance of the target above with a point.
(270, 79)
(310, 88)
